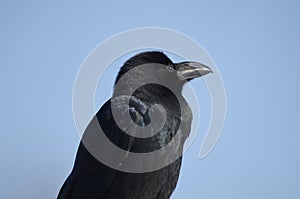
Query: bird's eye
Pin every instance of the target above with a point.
(170, 68)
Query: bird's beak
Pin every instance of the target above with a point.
(191, 70)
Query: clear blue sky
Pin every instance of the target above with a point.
(255, 44)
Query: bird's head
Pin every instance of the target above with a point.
(150, 66)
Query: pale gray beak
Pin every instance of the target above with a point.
(191, 70)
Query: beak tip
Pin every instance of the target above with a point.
(209, 69)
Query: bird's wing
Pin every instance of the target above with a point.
(168, 187)
(90, 178)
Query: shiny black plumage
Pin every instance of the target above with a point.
(92, 179)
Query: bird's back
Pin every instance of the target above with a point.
(91, 178)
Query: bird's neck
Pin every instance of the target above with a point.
(150, 92)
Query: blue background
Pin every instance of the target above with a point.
(255, 44)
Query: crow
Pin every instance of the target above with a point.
(148, 89)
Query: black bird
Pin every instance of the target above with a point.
(148, 89)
